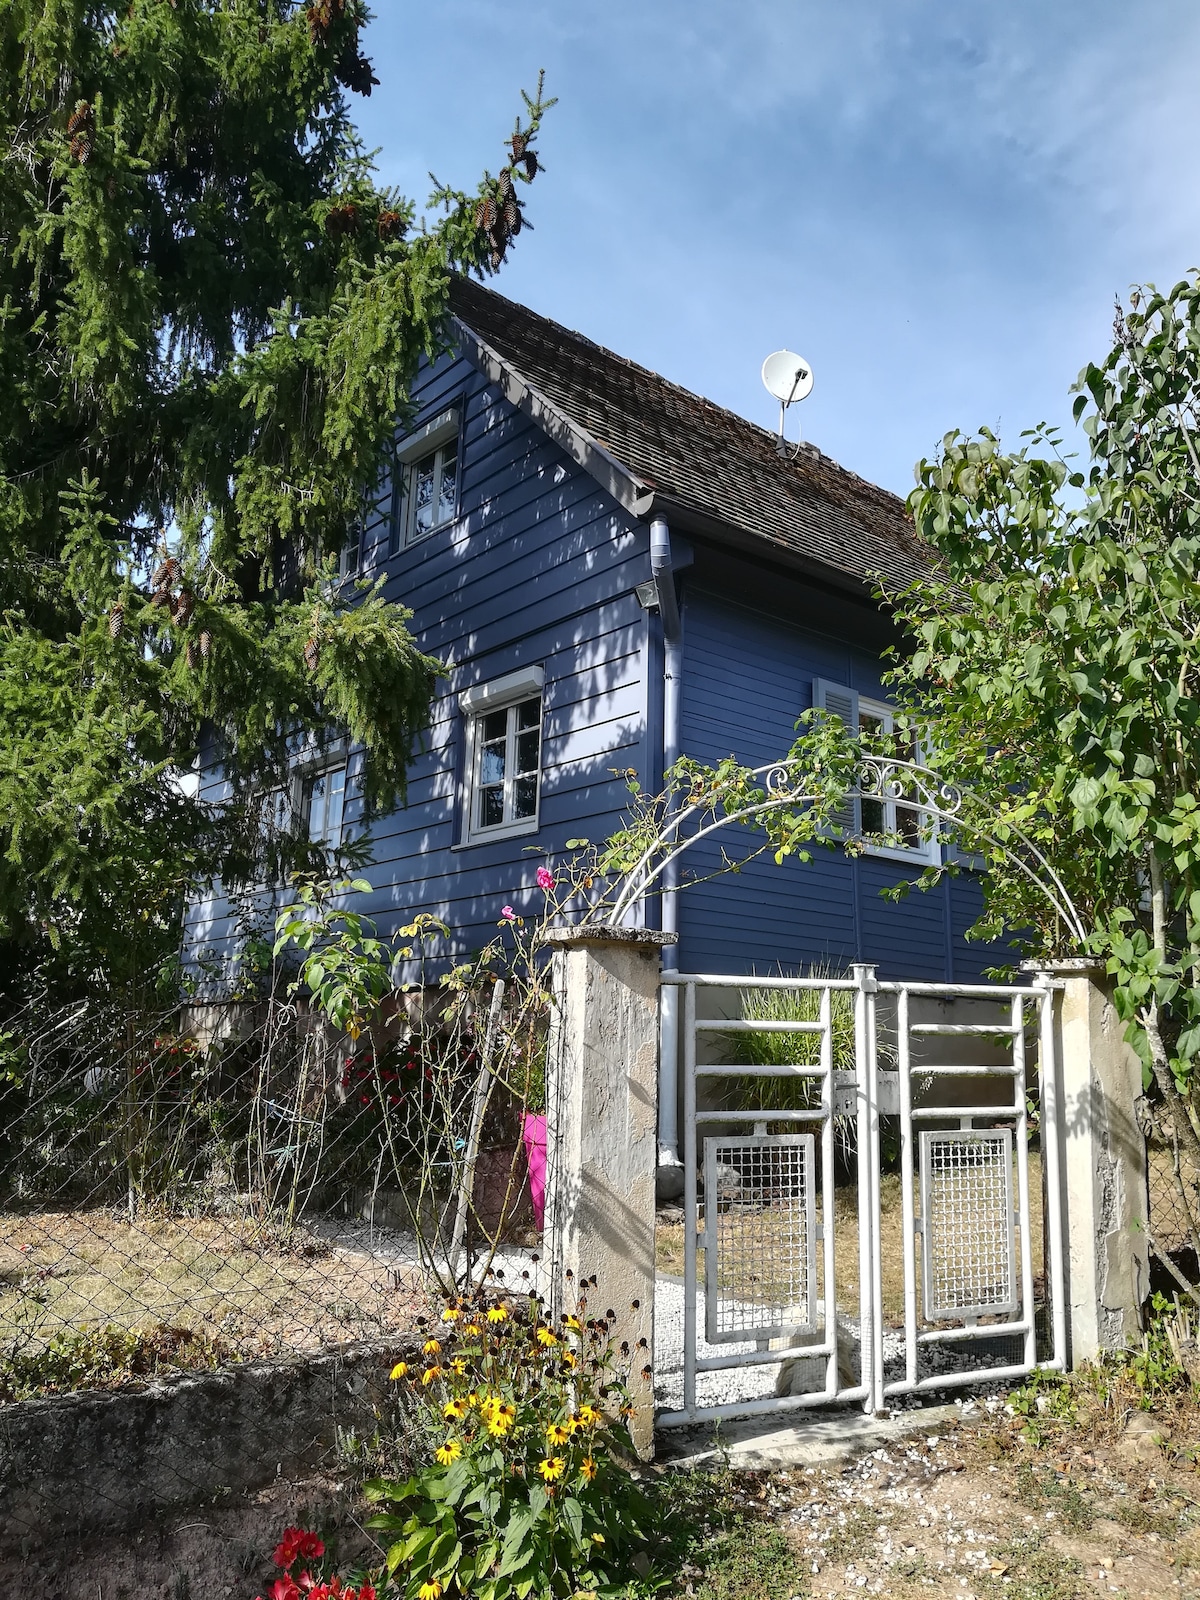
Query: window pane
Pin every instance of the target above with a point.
(335, 806)
(527, 751)
(491, 809)
(422, 493)
(491, 764)
(446, 507)
(525, 796)
(872, 816)
(495, 725)
(529, 714)
(316, 808)
(908, 826)
(869, 722)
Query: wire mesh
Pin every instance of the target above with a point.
(1173, 1182)
(183, 1192)
(760, 1264)
(968, 1244)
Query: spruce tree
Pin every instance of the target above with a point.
(210, 314)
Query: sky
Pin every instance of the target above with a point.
(935, 204)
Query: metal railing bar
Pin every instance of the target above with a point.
(957, 1380)
(927, 1113)
(758, 1070)
(731, 1025)
(990, 1330)
(959, 1029)
(760, 1358)
(711, 980)
(980, 991)
(758, 1116)
(752, 1408)
(946, 1070)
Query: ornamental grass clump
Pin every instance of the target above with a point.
(526, 1492)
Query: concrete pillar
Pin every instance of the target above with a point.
(602, 1134)
(1102, 1162)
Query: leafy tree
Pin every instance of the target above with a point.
(1057, 670)
(209, 318)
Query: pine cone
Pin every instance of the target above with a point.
(391, 224)
(489, 212)
(183, 607)
(497, 259)
(206, 644)
(531, 163)
(342, 220)
(116, 619)
(81, 119)
(81, 148)
(506, 184)
(312, 655)
(512, 217)
(161, 597)
(165, 573)
(518, 142)
(189, 655)
(354, 71)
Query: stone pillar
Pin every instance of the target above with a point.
(1102, 1162)
(602, 1133)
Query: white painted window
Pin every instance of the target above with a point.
(427, 479)
(504, 756)
(888, 827)
(323, 804)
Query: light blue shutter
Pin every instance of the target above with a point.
(840, 701)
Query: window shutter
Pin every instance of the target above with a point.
(840, 701)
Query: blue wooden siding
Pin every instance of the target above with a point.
(539, 568)
(747, 677)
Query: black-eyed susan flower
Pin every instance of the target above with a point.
(454, 1410)
(574, 1324)
(431, 1347)
(448, 1452)
(497, 1313)
(552, 1468)
(587, 1469)
(473, 1329)
(458, 1366)
(400, 1370)
(587, 1416)
(546, 1337)
(451, 1314)
(430, 1374)
(430, 1591)
(557, 1434)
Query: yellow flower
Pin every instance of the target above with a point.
(574, 1324)
(587, 1416)
(473, 1329)
(587, 1469)
(473, 1400)
(430, 1374)
(551, 1468)
(497, 1313)
(430, 1590)
(451, 1314)
(568, 1359)
(546, 1337)
(431, 1347)
(557, 1434)
(400, 1369)
(458, 1366)
(597, 1538)
(448, 1452)
(454, 1410)
(498, 1416)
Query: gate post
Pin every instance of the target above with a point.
(602, 1134)
(1102, 1160)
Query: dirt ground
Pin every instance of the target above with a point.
(980, 1513)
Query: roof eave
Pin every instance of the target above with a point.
(616, 479)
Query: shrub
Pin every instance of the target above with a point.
(527, 1492)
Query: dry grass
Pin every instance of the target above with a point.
(669, 1244)
(259, 1289)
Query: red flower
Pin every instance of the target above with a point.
(282, 1589)
(296, 1542)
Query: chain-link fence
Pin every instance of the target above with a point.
(1173, 1179)
(189, 1189)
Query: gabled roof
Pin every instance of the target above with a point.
(661, 449)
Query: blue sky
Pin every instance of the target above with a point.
(934, 203)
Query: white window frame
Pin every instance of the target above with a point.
(305, 779)
(437, 440)
(850, 705)
(502, 694)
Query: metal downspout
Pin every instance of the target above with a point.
(670, 1182)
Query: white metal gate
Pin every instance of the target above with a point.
(790, 1278)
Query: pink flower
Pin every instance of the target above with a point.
(508, 913)
(545, 879)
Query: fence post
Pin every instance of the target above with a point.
(602, 1133)
(1102, 1161)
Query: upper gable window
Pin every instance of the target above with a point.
(426, 480)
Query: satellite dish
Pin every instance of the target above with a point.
(787, 376)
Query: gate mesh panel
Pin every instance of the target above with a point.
(967, 1224)
(760, 1265)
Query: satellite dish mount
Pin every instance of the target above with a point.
(789, 378)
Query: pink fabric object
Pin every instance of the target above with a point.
(533, 1135)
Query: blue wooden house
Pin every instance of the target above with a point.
(615, 571)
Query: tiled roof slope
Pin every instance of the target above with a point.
(707, 460)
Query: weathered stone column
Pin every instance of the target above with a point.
(602, 1133)
(1102, 1161)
